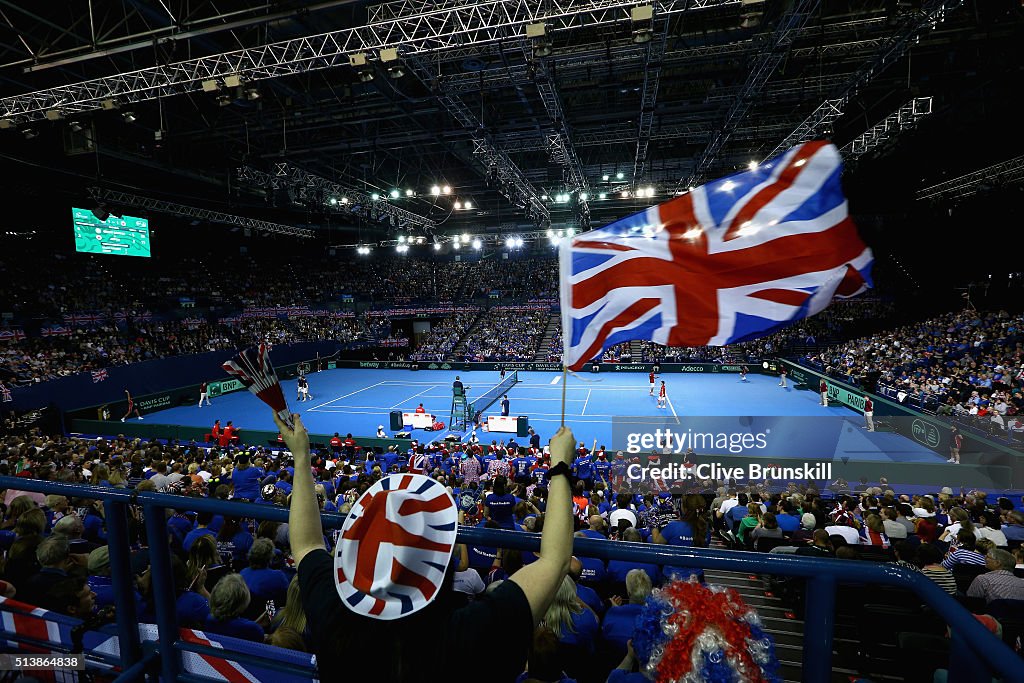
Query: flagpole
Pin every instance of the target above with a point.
(565, 379)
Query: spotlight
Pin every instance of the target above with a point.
(604, 177)
(365, 76)
(543, 197)
(394, 194)
(437, 246)
(752, 165)
(519, 242)
(625, 194)
(210, 85)
(465, 238)
(128, 117)
(570, 232)
(334, 201)
(456, 239)
(642, 23)
(541, 43)
(232, 81)
(603, 195)
(389, 57)
(344, 200)
(435, 190)
(477, 244)
(401, 239)
(468, 204)
(458, 205)
(455, 244)
(618, 176)
(583, 196)
(109, 105)
(29, 133)
(53, 115)
(510, 242)
(446, 190)
(409, 193)
(375, 196)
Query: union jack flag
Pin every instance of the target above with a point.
(99, 375)
(730, 261)
(31, 629)
(5, 394)
(395, 546)
(55, 331)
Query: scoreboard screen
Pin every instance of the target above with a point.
(125, 236)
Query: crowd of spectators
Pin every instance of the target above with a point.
(228, 568)
(444, 335)
(505, 335)
(964, 364)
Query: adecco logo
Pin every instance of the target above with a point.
(365, 364)
(691, 368)
(925, 433)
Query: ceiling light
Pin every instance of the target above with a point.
(446, 190)
(458, 205)
(543, 197)
(510, 242)
(344, 200)
(394, 194)
(465, 238)
(232, 81)
(437, 246)
(604, 177)
(477, 244)
(110, 104)
(583, 196)
(53, 115)
(752, 165)
(435, 190)
(365, 76)
(468, 204)
(519, 242)
(649, 191)
(401, 239)
(550, 233)
(409, 193)
(358, 59)
(455, 245)
(570, 232)
(625, 194)
(210, 85)
(334, 201)
(618, 176)
(375, 196)
(603, 195)
(128, 117)
(642, 17)
(223, 100)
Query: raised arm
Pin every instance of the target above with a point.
(305, 532)
(540, 580)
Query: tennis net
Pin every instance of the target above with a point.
(487, 399)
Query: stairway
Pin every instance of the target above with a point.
(636, 351)
(550, 330)
(787, 630)
(460, 346)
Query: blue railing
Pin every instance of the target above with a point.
(975, 656)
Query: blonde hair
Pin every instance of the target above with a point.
(563, 607)
(291, 615)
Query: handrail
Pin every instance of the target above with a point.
(975, 651)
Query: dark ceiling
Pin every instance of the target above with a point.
(725, 95)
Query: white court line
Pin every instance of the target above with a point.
(584, 411)
(410, 398)
(557, 379)
(671, 406)
(345, 396)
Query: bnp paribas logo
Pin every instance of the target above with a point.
(446, 366)
(432, 366)
(925, 433)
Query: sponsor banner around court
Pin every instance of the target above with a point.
(530, 366)
(227, 386)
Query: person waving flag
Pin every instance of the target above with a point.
(730, 261)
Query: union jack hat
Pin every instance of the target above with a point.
(395, 547)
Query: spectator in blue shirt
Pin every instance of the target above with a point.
(203, 520)
(264, 583)
(573, 623)
(619, 622)
(618, 570)
(235, 539)
(785, 518)
(245, 479)
(95, 531)
(102, 585)
(583, 468)
(500, 505)
(228, 600)
(691, 530)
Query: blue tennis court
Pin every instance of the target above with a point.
(357, 401)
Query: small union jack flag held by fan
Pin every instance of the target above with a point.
(253, 369)
(99, 375)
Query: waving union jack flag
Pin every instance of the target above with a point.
(99, 375)
(730, 261)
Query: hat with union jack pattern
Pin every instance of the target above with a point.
(395, 547)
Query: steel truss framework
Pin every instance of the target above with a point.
(512, 182)
(175, 209)
(494, 239)
(1004, 173)
(890, 51)
(357, 202)
(649, 95)
(560, 139)
(904, 118)
(410, 26)
(767, 61)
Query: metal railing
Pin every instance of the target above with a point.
(975, 654)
